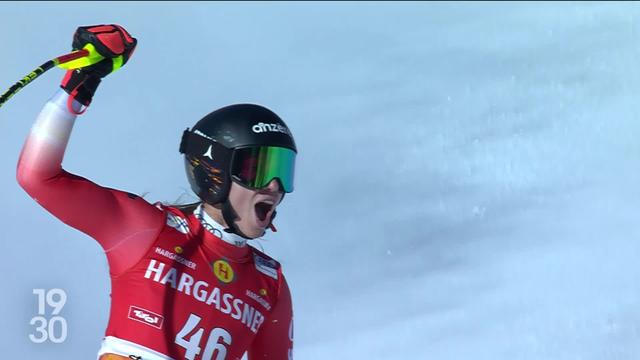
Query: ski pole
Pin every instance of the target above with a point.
(61, 61)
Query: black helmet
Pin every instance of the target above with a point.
(245, 143)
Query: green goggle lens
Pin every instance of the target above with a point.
(256, 167)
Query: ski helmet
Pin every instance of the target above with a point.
(244, 143)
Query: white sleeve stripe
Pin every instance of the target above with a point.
(114, 345)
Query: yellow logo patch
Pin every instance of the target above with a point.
(223, 271)
(178, 249)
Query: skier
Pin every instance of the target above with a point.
(185, 284)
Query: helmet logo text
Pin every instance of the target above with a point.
(262, 128)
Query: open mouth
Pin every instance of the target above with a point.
(262, 210)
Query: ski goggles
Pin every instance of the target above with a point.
(255, 167)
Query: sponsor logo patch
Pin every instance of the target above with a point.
(175, 257)
(146, 317)
(223, 271)
(178, 223)
(268, 267)
(259, 299)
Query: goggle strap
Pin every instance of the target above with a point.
(197, 145)
(183, 141)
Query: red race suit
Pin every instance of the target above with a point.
(181, 287)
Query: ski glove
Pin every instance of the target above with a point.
(113, 43)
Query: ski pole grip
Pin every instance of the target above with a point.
(72, 56)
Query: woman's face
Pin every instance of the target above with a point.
(255, 207)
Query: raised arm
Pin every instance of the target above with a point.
(274, 341)
(125, 225)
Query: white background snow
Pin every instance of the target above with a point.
(467, 183)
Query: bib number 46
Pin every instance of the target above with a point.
(217, 341)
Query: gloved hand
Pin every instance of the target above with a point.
(113, 42)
